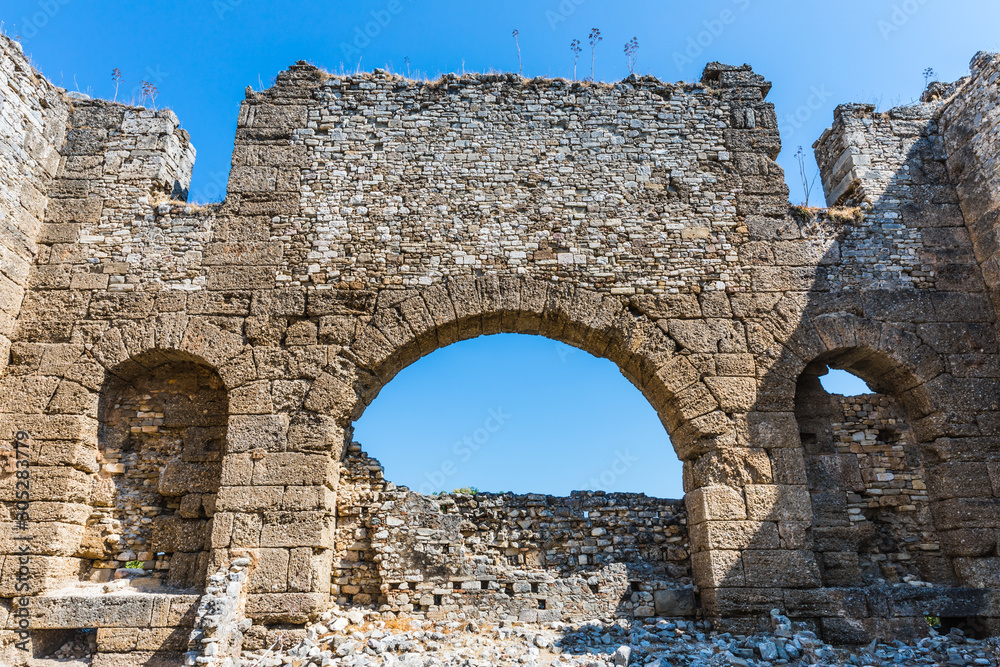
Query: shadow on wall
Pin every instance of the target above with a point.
(161, 435)
(894, 528)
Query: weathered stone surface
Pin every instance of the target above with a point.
(185, 378)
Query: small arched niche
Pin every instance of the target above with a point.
(872, 522)
(162, 433)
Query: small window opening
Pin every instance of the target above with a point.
(541, 604)
(534, 588)
(437, 600)
(841, 382)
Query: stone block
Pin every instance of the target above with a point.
(295, 529)
(718, 569)
(715, 503)
(284, 607)
(84, 611)
(675, 603)
(251, 432)
(179, 478)
(294, 469)
(978, 572)
(735, 535)
(774, 502)
(781, 569)
(249, 498)
(270, 575)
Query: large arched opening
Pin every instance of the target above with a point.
(528, 556)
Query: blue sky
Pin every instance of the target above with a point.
(201, 54)
(573, 417)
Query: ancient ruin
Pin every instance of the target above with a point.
(179, 383)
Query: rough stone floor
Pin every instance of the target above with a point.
(356, 640)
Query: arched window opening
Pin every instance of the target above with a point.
(161, 436)
(839, 381)
(871, 516)
(531, 471)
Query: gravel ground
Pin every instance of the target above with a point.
(353, 639)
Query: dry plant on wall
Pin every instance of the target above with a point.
(595, 39)
(575, 48)
(631, 53)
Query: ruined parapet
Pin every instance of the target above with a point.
(492, 556)
(891, 165)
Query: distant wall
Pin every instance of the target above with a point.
(534, 557)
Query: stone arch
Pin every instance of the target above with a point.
(699, 406)
(871, 514)
(162, 425)
(412, 323)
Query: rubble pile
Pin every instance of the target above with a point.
(355, 639)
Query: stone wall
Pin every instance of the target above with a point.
(971, 132)
(871, 513)
(497, 556)
(371, 220)
(33, 118)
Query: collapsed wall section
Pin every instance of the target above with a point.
(499, 556)
(891, 166)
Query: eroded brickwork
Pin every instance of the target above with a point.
(371, 220)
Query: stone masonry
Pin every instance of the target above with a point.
(179, 382)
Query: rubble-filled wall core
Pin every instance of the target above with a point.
(371, 220)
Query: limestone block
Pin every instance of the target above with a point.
(331, 395)
(237, 469)
(715, 503)
(978, 572)
(735, 601)
(735, 535)
(209, 342)
(284, 607)
(179, 478)
(68, 611)
(674, 603)
(778, 502)
(734, 394)
(250, 432)
(718, 568)
(737, 466)
(271, 573)
(253, 398)
(87, 211)
(249, 498)
(44, 573)
(294, 468)
(295, 529)
(116, 640)
(781, 569)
